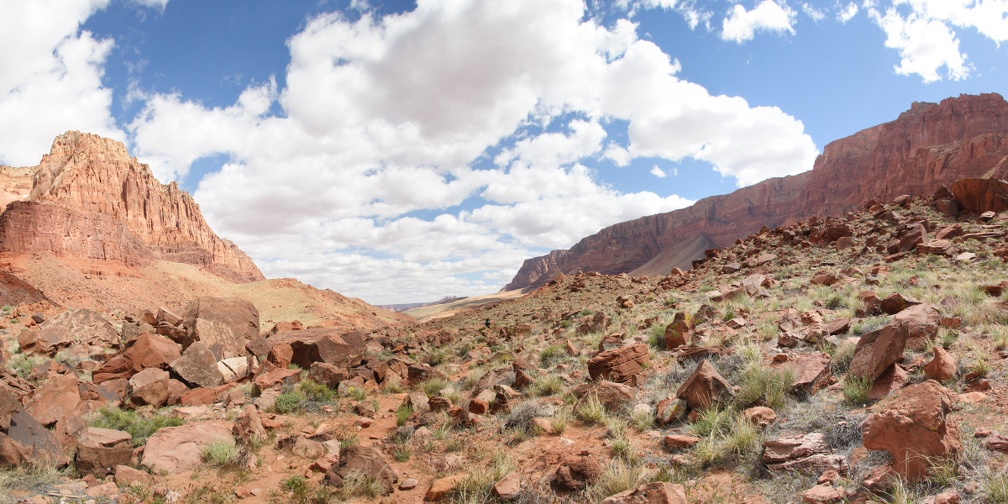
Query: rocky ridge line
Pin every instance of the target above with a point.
(90, 199)
(928, 146)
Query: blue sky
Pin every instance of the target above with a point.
(404, 151)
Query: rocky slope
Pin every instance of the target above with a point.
(928, 146)
(90, 199)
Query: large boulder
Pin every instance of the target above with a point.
(913, 425)
(73, 326)
(146, 351)
(658, 492)
(806, 451)
(198, 367)
(27, 441)
(981, 195)
(705, 387)
(55, 399)
(621, 364)
(175, 449)
(366, 461)
(811, 371)
(99, 451)
(149, 386)
(876, 351)
(224, 325)
(307, 346)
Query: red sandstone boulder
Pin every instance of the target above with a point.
(705, 387)
(146, 351)
(363, 460)
(176, 449)
(224, 325)
(99, 451)
(149, 386)
(808, 451)
(678, 332)
(942, 366)
(304, 347)
(197, 367)
(981, 194)
(913, 425)
(55, 399)
(621, 364)
(657, 492)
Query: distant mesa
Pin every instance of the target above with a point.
(930, 145)
(89, 199)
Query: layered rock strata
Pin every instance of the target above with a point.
(930, 145)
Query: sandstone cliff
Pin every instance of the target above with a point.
(90, 199)
(927, 146)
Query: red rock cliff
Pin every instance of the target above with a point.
(927, 146)
(89, 198)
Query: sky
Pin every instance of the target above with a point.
(405, 151)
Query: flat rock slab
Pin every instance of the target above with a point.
(176, 449)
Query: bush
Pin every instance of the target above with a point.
(220, 452)
(290, 402)
(140, 427)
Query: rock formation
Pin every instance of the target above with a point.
(928, 146)
(90, 199)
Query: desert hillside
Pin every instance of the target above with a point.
(929, 145)
(853, 359)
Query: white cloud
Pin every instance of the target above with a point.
(927, 33)
(153, 4)
(377, 166)
(741, 25)
(658, 172)
(50, 77)
(385, 117)
(618, 154)
(812, 12)
(847, 13)
(925, 45)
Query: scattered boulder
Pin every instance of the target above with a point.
(576, 472)
(55, 399)
(197, 367)
(146, 351)
(442, 487)
(99, 451)
(363, 460)
(805, 451)
(704, 387)
(824, 493)
(981, 195)
(149, 386)
(880, 349)
(509, 487)
(942, 366)
(28, 441)
(679, 331)
(307, 346)
(659, 492)
(896, 302)
(913, 425)
(224, 325)
(612, 395)
(891, 380)
(76, 325)
(811, 371)
(621, 364)
(670, 409)
(760, 416)
(177, 449)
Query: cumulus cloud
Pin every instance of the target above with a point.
(813, 12)
(658, 172)
(927, 33)
(848, 12)
(50, 77)
(386, 119)
(741, 25)
(419, 154)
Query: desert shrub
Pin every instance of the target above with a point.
(552, 355)
(290, 401)
(592, 412)
(761, 384)
(433, 386)
(220, 452)
(139, 426)
(403, 414)
(316, 392)
(617, 477)
(842, 356)
(547, 385)
(856, 390)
